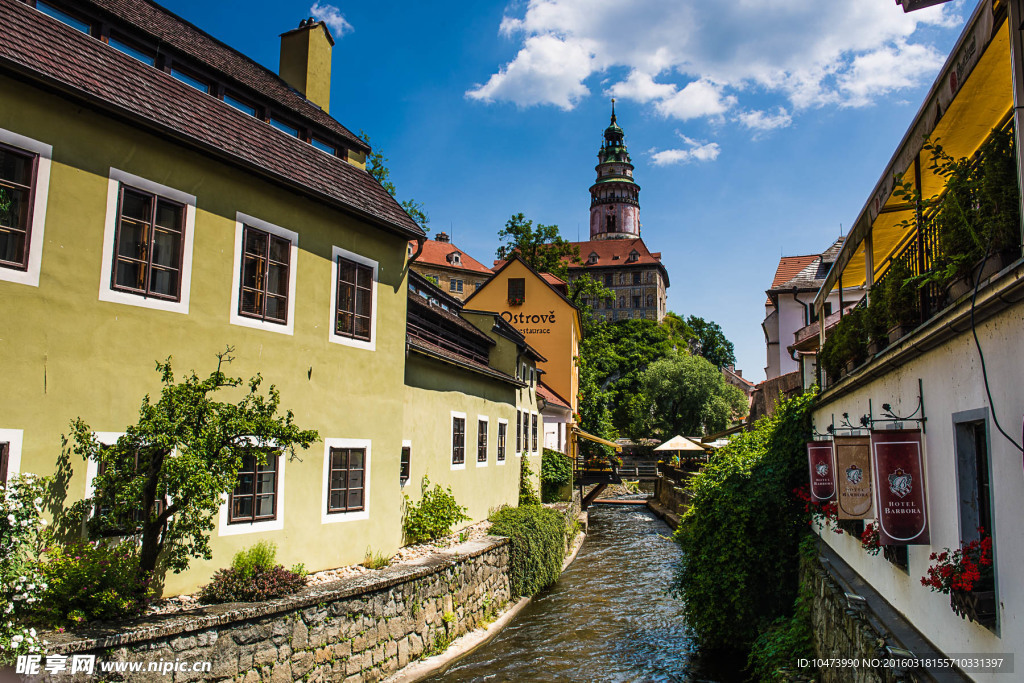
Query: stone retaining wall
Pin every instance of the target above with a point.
(671, 496)
(359, 629)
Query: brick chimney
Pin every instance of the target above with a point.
(306, 61)
(442, 237)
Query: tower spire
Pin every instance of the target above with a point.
(614, 197)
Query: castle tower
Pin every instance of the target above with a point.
(614, 197)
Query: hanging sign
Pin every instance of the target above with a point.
(823, 476)
(853, 474)
(900, 501)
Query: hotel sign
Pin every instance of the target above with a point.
(900, 501)
(853, 472)
(823, 475)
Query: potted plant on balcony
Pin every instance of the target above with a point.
(967, 576)
(876, 323)
(977, 219)
(900, 299)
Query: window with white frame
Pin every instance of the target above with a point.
(147, 244)
(534, 416)
(353, 300)
(24, 188)
(458, 440)
(264, 275)
(481, 441)
(502, 437)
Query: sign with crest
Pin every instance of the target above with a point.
(901, 504)
(823, 475)
(853, 467)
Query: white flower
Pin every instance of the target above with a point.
(38, 501)
(32, 632)
(42, 522)
(10, 518)
(18, 638)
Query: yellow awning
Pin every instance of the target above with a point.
(577, 432)
(958, 119)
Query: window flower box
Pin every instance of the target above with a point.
(977, 606)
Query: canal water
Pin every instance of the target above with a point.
(608, 618)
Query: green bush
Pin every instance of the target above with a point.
(231, 585)
(434, 516)
(776, 651)
(537, 549)
(527, 494)
(90, 582)
(739, 537)
(555, 474)
(254, 559)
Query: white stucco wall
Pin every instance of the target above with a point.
(952, 383)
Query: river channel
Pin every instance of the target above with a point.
(608, 618)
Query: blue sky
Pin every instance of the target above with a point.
(757, 128)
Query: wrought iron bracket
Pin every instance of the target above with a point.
(888, 416)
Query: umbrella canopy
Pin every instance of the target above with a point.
(680, 443)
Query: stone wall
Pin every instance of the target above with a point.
(359, 629)
(841, 632)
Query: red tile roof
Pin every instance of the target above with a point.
(436, 254)
(553, 279)
(614, 253)
(174, 32)
(47, 52)
(789, 266)
(549, 395)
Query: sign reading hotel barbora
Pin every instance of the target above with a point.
(823, 475)
(900, 501)
(853, 471)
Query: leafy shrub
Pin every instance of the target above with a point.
(230, 585)
(555, 474)
(538, 545)
(22, 536)
(254, 559)
(434, 516)
(92, 581)
(527, 494)
(739, 537)
(254, 575)
(901, 295)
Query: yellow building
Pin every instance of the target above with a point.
(171, 197)
(543, 315)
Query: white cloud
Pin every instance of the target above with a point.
(698, 99)
(762, 121)
(694, 151)
(332, 16)
(548, 70)
(697, 59)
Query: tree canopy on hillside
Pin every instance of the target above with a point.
(685, 394)
(709, 341)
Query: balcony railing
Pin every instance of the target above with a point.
(915, 261)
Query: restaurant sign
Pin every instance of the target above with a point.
(853, 473)
(823, 479)
(900, 501)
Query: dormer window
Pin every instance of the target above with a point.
(455, 258)
(633, 256)
(592, 259)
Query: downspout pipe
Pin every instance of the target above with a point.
(807, 314)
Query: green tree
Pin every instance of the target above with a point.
(541, 246)
(164, 479)
(377, 166)
(740, 534)
(595, 359)
(685, 394)
(709, 341)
